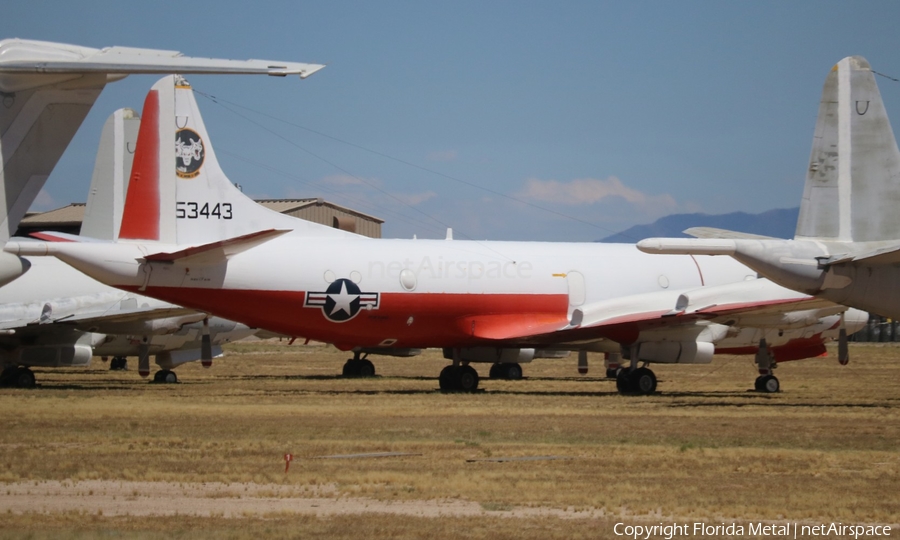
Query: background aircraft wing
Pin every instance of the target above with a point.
(106, 321)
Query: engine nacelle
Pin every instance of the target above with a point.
(173, 359)
(11, 267)
(493, 355)
(55, 355)
(676, 352)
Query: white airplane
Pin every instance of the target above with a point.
(189, 236)
(56, 316)
(46, 91)
(847, 244)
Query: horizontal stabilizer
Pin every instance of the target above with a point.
(217, 252)
(62, 237)
(712, 232)
(886, 255)
(687, 246)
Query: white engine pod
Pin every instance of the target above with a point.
(676, 352)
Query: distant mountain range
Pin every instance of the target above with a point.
(779, 223)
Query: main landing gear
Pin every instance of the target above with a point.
(641, 381)
(766, 382)
(634, 379)
(510, 372)
(118, 363)
(17, 377)
(358, 367)
(458, 379)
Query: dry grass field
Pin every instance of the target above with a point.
(92, 453)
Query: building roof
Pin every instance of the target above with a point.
(70, 215)
(291, 205)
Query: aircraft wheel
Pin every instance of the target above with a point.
(165, 376)
(496, 371)
(365, 368)
(351, 368)
(643, 381)
(623, 381)
(612, 373)
(757, 385)
(513, 372)
(8, 375)
(24, 378)
(769, 384)
(118, 363)
(467, 379)
(448, 379)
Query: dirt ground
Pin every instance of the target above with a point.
(122, 498)
(93, 453)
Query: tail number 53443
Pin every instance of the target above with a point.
(194, 210)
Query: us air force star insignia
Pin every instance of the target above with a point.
(341, 301)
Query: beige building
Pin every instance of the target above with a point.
(68, 218)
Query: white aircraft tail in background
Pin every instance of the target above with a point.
(847, 243)
(112, 170)
(46, 91)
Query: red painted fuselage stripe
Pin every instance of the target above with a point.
(140, 219)
(413, 319)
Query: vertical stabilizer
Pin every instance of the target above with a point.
(47, 89)
(183, 196)
(853, 183)
(109, 184)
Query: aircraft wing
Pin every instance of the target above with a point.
(108, 321)
(112, 322)
(757, 303)
(30, 57)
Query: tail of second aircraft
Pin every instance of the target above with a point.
(178, 193)
(848, 215)
(112, 169)
(853, 182)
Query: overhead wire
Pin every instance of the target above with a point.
(229, 104)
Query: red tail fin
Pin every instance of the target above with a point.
(140, 219)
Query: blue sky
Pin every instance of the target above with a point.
(578, 118)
